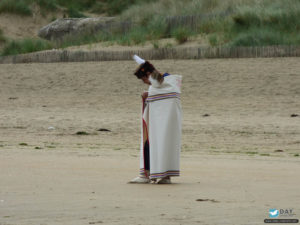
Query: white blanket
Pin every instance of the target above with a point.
(162, 127)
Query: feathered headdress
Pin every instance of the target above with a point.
(144, 67)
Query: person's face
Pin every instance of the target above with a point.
(146, 79)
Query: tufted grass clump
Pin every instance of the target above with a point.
(266, 23)
(16, 7)
(50, 5)
(114, 7)
(182, 34)
(25, 46)
(3, 39)
(73, 12)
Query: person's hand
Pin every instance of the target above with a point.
(145, 95)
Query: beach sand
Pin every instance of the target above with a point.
(240, 143)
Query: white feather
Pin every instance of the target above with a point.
(138, 59)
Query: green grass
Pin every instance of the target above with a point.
(16, 7)
(47, 5)
(3, 39)
(224, 22)
(113, 7)
(213, 39)
(268, 23)
(228, 22)
(73, 12)
(155, 44)
(75, 8)
(25, 46)
(181, 34)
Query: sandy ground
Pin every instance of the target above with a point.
(19, 27)
(242, 159)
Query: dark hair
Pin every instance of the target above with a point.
(143, 69)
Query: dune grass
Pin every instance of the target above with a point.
(16, 7)
(3, 39)
(47, 5)
(114, 7)
(224, 22)
(229, 22)
(25, 46)
(75, 8)
(268, 23)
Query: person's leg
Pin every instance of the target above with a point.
(143, 179)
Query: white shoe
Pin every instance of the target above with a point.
(140, 180)
(165, 180)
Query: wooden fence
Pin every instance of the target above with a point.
(153, 54)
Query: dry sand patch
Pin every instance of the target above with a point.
(236, 116)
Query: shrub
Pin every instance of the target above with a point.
(99, 7)
(258, 37)
(2, 37)
(155, 44)
(138, 35)
(181, 34)
(15, 6)
(273, 15)
(123, 40)
(156, 28)
(115, 7)
(50, 5)
(25, 46)
(246, 17)
(73, 12)
(213, 40)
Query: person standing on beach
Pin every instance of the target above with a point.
(161, 125)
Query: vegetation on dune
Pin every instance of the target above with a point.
(48, 5)
(25, 46)
(182, 34)
(3, 39)
(15, 6)
(114, 7)
(74, 8)
(223, 22)
(270, 23)
(230, 22)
